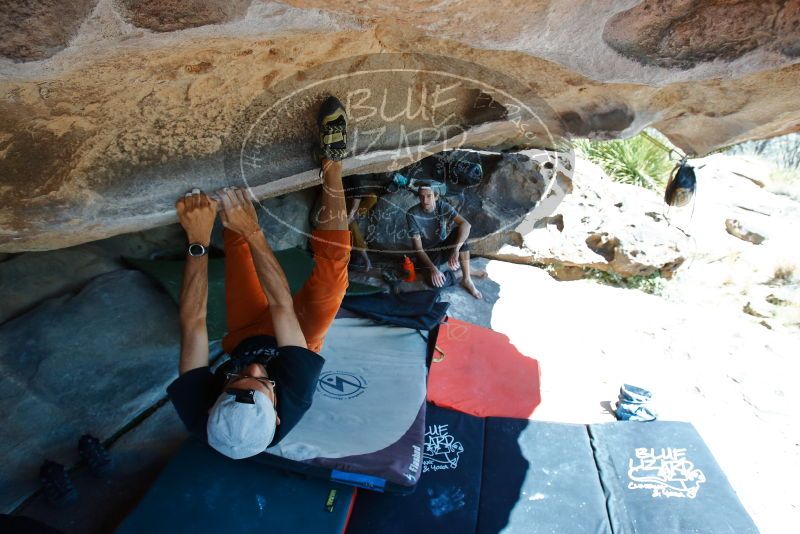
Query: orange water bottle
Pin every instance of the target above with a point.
(408, 269)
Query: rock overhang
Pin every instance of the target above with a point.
(126, 110)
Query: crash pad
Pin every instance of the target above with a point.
(366, 423)
(202, 491)
(446, 498)
(296, 263)
(480, 372)
(660, 477)
(540, 477)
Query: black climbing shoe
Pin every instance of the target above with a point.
(95, 455)
(58, 488)
(332, 122)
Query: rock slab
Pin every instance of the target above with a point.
(88, 362)
(605, 225)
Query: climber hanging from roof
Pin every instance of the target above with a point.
(259, 395)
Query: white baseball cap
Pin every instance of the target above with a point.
(241, 423)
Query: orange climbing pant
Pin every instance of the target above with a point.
(315, 304)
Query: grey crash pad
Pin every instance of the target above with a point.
(87, 362)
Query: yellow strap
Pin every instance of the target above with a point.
(440, 351)
(332, 138)
(333, 116)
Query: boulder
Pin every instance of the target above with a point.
(88, 362)
(112, 109)
(685, 34)
(29, 278)
(602, 225)
(37, 29)
(139, 456)
(516, 178)
(162, 241)
(161, 16)
(285, 219)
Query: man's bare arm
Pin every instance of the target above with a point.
(463, 231)
(240, 216)
(276, 287)
(437, 277)
(193, 311)
(422, 256)
(196, 213)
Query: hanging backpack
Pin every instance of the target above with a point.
(681, 186)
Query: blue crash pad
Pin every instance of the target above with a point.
(659, 477)
(446, 498)
(202, 491)
(539, 477)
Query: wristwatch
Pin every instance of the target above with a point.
(196, 250)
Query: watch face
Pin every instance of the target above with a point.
(196, 249)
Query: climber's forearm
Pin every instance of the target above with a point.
(192, 313)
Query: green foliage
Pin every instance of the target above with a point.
(652, 284)
(636, 161)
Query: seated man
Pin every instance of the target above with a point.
(430, 225)
(260, 394)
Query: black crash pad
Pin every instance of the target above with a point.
(446, 498)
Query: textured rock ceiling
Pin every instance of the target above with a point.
(111, 109)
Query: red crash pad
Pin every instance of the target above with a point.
(479, 372)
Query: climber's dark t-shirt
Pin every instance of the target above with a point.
(295, 371)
